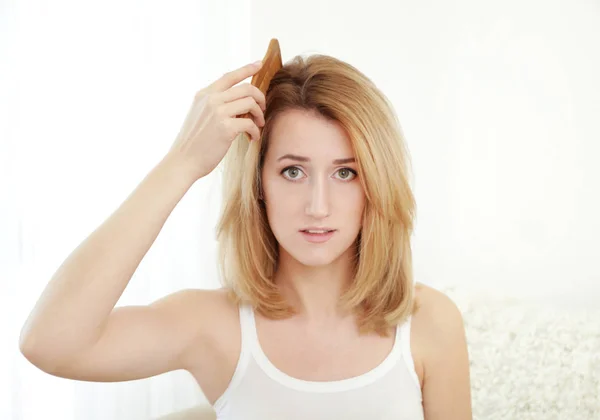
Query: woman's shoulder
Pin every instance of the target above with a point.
(207, 314)
(436, 325)
(435, 316)
(433, 301)
(212, 304)
(440, 342)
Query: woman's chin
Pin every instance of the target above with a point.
(318, 258)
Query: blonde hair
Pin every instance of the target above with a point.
(381, 292)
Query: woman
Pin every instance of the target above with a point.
(319, 317)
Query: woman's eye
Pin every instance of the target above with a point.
(292, 172)
(346, 173)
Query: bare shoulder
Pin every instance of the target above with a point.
(438, 340)
(201, 310)
(436, 313)
(198, 300)
(436, 324)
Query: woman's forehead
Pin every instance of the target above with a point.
(308, 134)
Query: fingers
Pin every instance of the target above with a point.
(232, 78)
(246, 89)
(242, 106)
(241, 125)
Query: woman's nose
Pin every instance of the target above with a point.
(318, 200)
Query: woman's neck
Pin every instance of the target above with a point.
(314, 291)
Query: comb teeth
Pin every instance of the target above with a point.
(271, 64)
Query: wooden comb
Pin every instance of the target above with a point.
(271, 64)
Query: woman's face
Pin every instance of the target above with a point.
(310, 181)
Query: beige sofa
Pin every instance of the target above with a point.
(528, 360)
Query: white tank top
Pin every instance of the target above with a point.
(260, 391)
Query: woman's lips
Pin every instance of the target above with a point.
(317, 237)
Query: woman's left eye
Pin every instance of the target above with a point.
(347, 173)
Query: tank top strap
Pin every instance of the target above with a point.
(403, 332)
(248, 326)
(248, 334)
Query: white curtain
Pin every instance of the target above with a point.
(92, 95)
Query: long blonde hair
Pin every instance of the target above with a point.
(381, 292)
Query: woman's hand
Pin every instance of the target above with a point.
(211, 124)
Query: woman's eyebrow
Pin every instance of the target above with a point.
(305, 159)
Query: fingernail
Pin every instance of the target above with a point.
(257, 63)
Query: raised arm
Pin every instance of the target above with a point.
(74, 329)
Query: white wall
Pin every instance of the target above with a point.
(500, 105)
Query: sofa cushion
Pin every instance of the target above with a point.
(531, 360)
